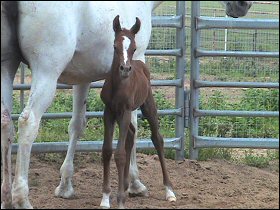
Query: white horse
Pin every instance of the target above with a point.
(70, 42)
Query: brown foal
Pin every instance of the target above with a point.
(126, 88)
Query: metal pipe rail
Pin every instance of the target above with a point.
(258, 143)
(65, 115)
(229, 113)
(175, 83)
(243, 23)
(204, 84)
(212, 53)
(172, 52)
(90, 146)
(167, 21)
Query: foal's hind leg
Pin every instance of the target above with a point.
(149, 111)
(8, 70)
(75, 129)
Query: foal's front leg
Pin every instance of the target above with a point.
(149, 111)
(120, 155)
(109, 125)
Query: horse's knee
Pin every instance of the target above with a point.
(76, 126)
(120, 158)
(5, 118)
(106, 153)
(28, 126)
(24, 116)
(7, 128)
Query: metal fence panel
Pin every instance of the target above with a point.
(173, 26)
(200, 26)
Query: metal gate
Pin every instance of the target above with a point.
(202, 22)
(177, 21)
(186, 109)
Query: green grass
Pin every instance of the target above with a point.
(260, 160)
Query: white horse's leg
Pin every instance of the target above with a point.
(136, 188)
(75, 129)
(8, 70)
(41, 95)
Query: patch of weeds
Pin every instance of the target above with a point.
(256, 160)
(215, 153)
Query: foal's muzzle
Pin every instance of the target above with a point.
(125, 70)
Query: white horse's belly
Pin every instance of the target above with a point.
(79, 45)
(86, 67)
(94, 50)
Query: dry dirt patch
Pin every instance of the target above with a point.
(203, 184)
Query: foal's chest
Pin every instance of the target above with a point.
(129, 99)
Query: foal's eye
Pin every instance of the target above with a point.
(134, 50)
(115, 47)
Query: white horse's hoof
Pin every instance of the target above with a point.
(137, 189)
(64, 192)
(22, 205)
(6, 206)
(104, 207)
(20, 195)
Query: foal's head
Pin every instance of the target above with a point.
(124, 45)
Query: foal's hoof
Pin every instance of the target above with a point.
(137, 189)
(171, 199)
(170, 196)
(105, 202)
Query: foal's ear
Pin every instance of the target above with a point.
(136, 27)
(116, 24)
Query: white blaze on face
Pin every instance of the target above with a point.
(126, 43)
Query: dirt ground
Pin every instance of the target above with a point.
(203, 184)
